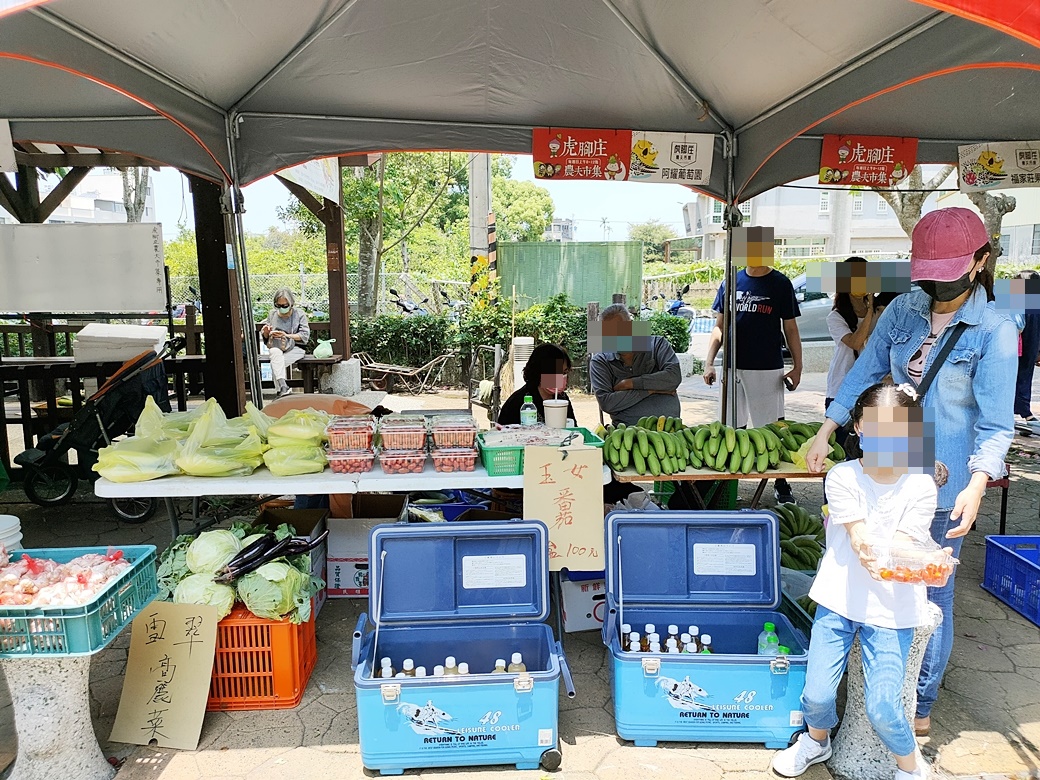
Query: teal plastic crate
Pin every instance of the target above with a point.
(62, 631)
(509, 461)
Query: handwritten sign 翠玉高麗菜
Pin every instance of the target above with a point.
(564, 489)
(167, 676)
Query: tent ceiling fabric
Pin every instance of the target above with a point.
(321, 77)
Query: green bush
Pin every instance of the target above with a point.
(409, 341)
(675, 329)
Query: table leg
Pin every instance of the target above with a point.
(758, 493)
(52, 719)
(690, 494)
(556, 589)
(175, 524)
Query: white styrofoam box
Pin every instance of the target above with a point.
(347, 566)
(584, 604)
(348, 578)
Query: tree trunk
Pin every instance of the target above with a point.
(993, 208)
(907, 203)
(135, 192)
(368, 266)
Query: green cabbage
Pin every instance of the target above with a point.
(211, 551)
(201, 589)
(289, 461)
(138, 459)
(277, 590)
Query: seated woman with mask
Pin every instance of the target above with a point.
(286, 334)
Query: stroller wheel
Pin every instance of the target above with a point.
(134, 510)
(50, 485)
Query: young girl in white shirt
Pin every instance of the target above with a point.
(887, 495)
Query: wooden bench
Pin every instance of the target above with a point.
(309, 367)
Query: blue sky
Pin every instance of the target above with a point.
(622, 203)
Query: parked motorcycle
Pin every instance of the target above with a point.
(455, 307)
(677, 307)
(409, 308)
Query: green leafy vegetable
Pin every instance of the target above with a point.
(277, 590)
(201, 589)
(211, 551)
(289, 461)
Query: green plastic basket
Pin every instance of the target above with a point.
(509, 461)
(64, 631)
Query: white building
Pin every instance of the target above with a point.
(1020, 230)
(98, 198)
(562, 231)
(808, 220)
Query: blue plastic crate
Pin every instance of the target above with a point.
(54, 631)
(1013, 573)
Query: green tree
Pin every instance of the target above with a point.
(523, 210)
(653, 233)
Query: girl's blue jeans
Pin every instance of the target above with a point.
(885, 651)
(937, 654)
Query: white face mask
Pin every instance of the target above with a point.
(283, 309)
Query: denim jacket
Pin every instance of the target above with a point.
(973, 394)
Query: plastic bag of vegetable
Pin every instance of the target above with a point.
(201, 589)
(138, 459)
(290, 461)
(277, 590)
(214, 448)
(258, 419)
(299, 427)
(211, 550)
(177, 425)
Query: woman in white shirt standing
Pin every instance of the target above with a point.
(884, 497)
(849, 322)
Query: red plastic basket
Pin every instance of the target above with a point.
(261, 664)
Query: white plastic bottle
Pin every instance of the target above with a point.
(655, 647)
(500, 666)
(408, 667)
(450, 667)
(690, 648)
(695, 636)
(673, 633)
(706, 648)
(528, 412)
(438, 671)
(463, 668)
(768, 641)
(386, 663)
(420, 671)
(634, 643)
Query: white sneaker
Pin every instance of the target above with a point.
(805, 752)
(923, 771)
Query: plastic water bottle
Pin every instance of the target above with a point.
(768, 641)
(528, 412)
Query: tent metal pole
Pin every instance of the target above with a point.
(729, 342)
(132, 62)
(77, 119)
(238, 248)
(921, 27)
(381, 120)
(297, 50)
(669, 68)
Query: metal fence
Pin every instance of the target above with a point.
(312, 290)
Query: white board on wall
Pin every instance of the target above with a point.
(72, 268)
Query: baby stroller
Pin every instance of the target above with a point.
(50, 480)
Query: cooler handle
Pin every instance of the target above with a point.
(359, 632)
(565, 670)
(610, 621)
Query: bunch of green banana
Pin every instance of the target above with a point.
(808, 605)
(802, 538)
(793, 435)
(661, 424)
(650, 452)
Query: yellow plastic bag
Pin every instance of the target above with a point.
(290, 461)
(153, 424)
(216, 448)
(298, 428)
(138, 459)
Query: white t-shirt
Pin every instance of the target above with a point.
(842, 583)
(843, 358)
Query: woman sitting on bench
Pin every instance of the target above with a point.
(286, 334)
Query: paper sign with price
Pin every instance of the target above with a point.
(167, 676)
(563, 487)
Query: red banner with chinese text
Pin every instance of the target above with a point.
(866, 160)
(566, 153)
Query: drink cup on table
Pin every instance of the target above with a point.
(555, 412)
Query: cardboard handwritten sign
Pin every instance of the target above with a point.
(563, 487)
(167, 676)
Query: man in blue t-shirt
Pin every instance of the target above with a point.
(766, 305)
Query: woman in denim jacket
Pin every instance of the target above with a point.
(971, 397)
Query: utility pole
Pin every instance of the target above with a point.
(479, 203)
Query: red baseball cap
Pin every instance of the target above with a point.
(944, 243)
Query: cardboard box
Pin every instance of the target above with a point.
(311, 523)
(584, 604)
(348, 542)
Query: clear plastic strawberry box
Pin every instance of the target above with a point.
(403, 461)
(913, 561)
(403, 432)
(351, 433)
(351, 461)
(454, 430)
(451, 459)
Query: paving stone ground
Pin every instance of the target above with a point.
(986, 724)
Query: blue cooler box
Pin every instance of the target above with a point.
(478, 592)
(719, 571)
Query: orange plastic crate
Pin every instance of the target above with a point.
(261, 664)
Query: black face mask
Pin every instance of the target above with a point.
(946, 291)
